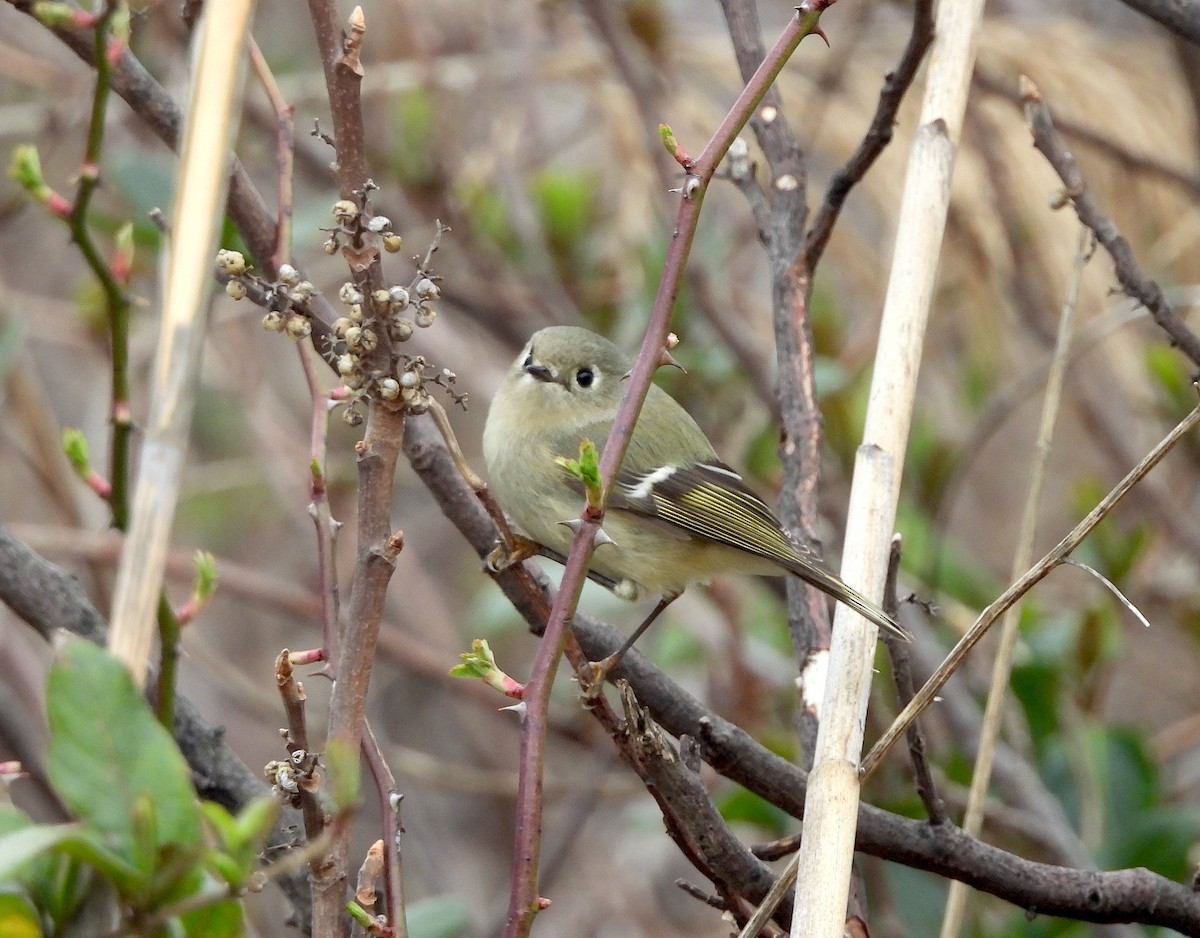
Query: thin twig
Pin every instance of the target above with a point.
(325, 526)
(285, 150)
(952, 918)
(877, 137)
(116, 299)
(1117, 150)
(1018, 589)
(898, 651)
(291, 692)
(1133, 281)
(389, 816)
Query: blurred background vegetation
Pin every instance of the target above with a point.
(530, 129)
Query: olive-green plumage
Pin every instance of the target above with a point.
(677, 514)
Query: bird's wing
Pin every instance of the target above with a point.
(711, 501)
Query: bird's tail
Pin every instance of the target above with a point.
(829, 582)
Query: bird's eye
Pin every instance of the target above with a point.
(528, 360)
(584, 377)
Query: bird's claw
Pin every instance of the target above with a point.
(506, 554)
(594, 674)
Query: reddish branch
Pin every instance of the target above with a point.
(524, 901)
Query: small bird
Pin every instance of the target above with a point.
(677, 515)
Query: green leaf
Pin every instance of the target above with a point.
(91, 847)
(239, 839)
(222, 919)
(254, 822)
(586, 469)
(342, 764)
(19, 847)
(739, 805)
(565, 203)
(110, 761)
(437, 917)
(18, 917)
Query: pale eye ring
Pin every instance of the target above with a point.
(585, 377)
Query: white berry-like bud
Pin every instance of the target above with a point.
(288, 274)
(346, 364)
(427, 289)
(402, 329)
(344, 210)
(379, 223)
(352, 417)
(369, 340)
(303, 290)
(389, 389)
(410, 379)
(232, 262)
(355, 312)
(273, 322)
(340, 325)
(381, 297)
(425, 316)
(419, 405)
(299, 328)
(350, 293)
(352, 336)
(330, 246)
(398, 297)
(392, 243)
(235, 289)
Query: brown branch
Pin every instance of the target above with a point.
(389, 816)
(1182, 17)
(1133, 281)
(292, 694)
(378, 548)
(692, 819)
(780, 216)
(877, 137)
(901, 660)
(1081, 133)
(378, 452)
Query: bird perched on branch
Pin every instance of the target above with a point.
(676, 514)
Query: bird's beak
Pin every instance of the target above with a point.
(541, 372)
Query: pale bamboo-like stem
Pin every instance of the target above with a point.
(831, 803)
(989, 733)
(196, 218)
(924, 697)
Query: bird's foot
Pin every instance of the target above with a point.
(509, 553)
(595, 673)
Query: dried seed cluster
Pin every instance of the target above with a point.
(364, 342)
(278, 296)
(396, 312)
(357, 227)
